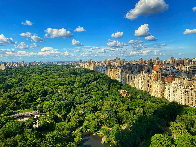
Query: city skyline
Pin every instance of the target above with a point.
(98, 30)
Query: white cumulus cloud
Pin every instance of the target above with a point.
(6, 41)
(4, 51)
(116, 44)
(156, 52)
(140, 52)
(194, 9)
(109, 40)
(24, 53)
(52, 33)
(79, 29)
(147, 7)
(188, 31)
(132, 41)
(133, 53)
(22, 45)
(21, 53)
(111, 49)
(66, 53)
(135, 41)
(145, 52)
(151, 38)
(77, 43)
(27, 22)
(37, 39)
(46, 51)
(9, 53)
(34, 45)
(27, 34)
(95, 48)
(77, 51)
(142, 31)
(181, 54)
(117, 35)
(83, 54)
(137, 44)
(101, 51)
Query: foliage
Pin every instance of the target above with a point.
(72, 101)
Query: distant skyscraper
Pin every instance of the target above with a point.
(172, 60)
(117, 59)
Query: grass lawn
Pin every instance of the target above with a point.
(19, 111)
(26, 110)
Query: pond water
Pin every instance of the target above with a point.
(91, 140)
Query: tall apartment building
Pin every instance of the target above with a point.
(161, 82)
(192, 67)
(3, 66)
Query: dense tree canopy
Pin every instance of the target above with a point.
(72, 101)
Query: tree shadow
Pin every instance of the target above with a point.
(86, 146)
(145, 127)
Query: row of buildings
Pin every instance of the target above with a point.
(8, 65)
(174, 79)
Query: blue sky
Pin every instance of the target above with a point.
(63, 30)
